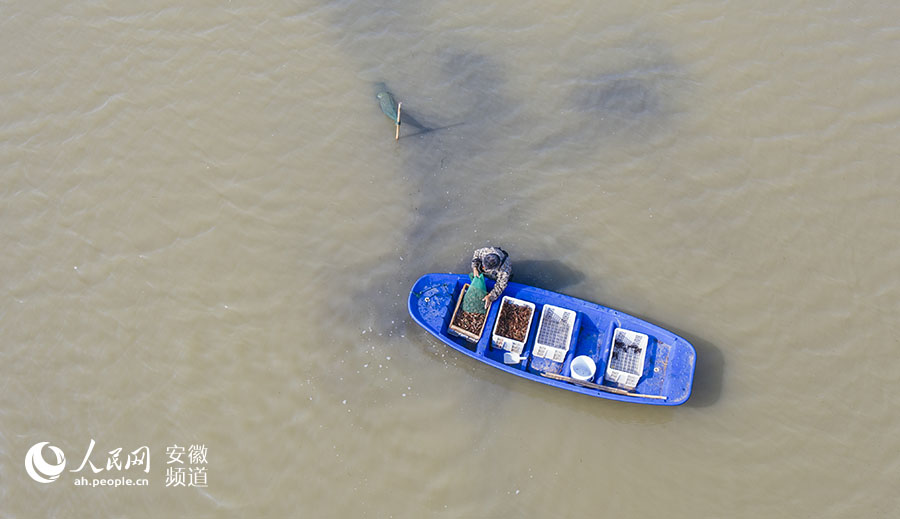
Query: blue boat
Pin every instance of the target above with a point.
(633, 360)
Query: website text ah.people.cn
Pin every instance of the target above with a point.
(111, 482)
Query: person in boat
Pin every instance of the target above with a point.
(494, 263)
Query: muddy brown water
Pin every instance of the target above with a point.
(209, 234)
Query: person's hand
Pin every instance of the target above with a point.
(487, 301)
(475, 271)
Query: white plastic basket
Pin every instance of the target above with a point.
(554, 333)
(507, 343)
(626, 358)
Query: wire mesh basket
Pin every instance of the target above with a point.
(626, 358)
(554, 333)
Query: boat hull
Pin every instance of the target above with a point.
(668, 370)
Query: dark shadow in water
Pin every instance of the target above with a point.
(621, 106)
(448, 188)
(628, 96)
(709, 374)
(551, 275)
(423, 131)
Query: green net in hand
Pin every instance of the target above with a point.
(473, 300)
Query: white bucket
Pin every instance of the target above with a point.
(583, 368)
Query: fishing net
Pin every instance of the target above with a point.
(473, 300)
(388, 105)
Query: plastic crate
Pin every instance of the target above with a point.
(554, 333)
(626, 358)
(508, 343)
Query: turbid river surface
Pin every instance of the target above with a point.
(209, 234)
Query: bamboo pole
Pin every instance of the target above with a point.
(591, 385)
(397, 133)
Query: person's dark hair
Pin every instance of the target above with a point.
(491, 261)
